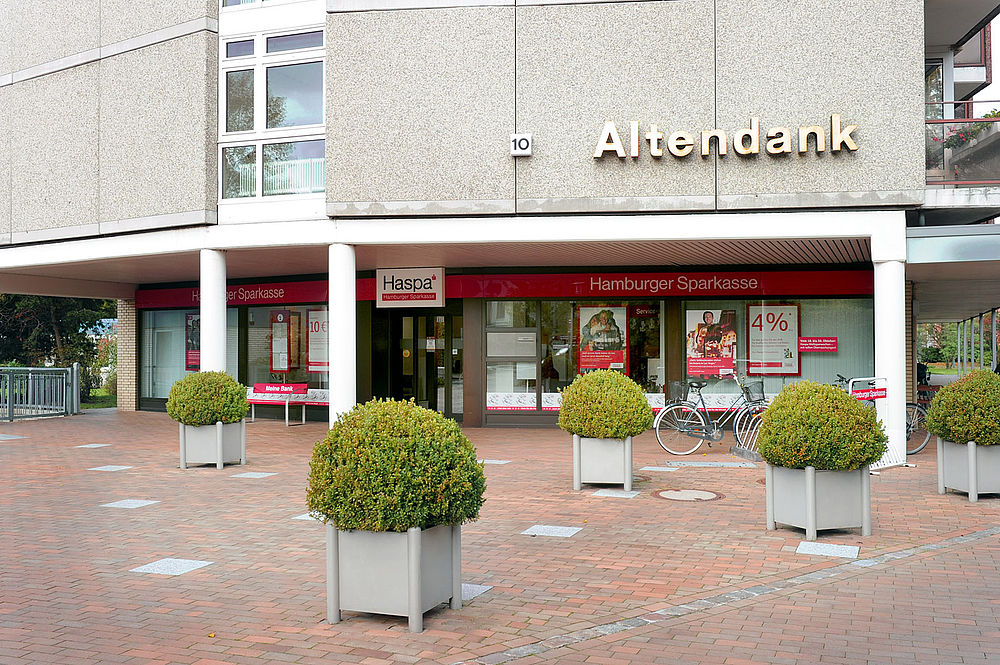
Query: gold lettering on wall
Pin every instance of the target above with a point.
(740, 139)
(680, 144)
(745, 141)
(817, 132)
(706, 141)
(609, 141)
(779, 140)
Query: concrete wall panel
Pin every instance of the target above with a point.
(4, 166)
(794, 64)
(579, 65)
(53, 150)
(6, 35)
(124, 19)
(46, 30)
(159, 156)
(419, 108)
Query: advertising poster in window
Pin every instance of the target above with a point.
(603, 338)
(711, 342)
(279, 340)
(318, 341)
(773, 331)
(192, 342)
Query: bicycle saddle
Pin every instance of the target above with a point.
(697, 384)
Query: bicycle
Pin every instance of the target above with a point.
(683, 424)
(917, 435)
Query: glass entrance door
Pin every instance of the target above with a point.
(429, 358)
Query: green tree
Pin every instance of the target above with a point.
(39, 329)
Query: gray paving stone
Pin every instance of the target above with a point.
(128, 503)
(109, 467)
(828, 549)
(171, 566)
(557, 531)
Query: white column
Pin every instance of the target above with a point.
(343, 330)
(890, 349)
(212, 309)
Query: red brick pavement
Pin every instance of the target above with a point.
(67, 595)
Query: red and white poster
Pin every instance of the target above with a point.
(192, 342)
(280, 343)
(711, 342)
(773, 332)
(603, 338)
(318, 341)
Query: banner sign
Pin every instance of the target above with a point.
(409, 287)
(773, 333)
(817, 344)
(870, 393)
(318, 341)
(192, 342)
(785, 283)
(711, 342)
(603, 340)
(281, 388)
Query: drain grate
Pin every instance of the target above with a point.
(688, 495)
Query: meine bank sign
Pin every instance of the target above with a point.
(409, 287)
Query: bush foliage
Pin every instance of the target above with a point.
(389, 466)
(204, 398)
(811, 424)
(604, 404)
(967, 410)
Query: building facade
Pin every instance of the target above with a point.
(469, 202)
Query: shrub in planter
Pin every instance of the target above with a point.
(967, 410)
(818, 442)
(205, 398)
(604, 404)
(965, 416)
(393, 480)
(210, 406)
(603, 410)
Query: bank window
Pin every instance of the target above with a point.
(239, 172)
(288, 344)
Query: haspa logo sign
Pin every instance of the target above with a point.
(409, 287)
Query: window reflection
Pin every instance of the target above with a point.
(239, 101)
(295, 95)
(239, 177)
(294, 168)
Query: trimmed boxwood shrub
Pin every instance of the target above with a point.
(204, 398)
(811, 424)
(604, 404)
(967, 410)
(390, 466)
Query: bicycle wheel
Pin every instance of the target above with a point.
(680, 428)
(746, 424)
(917, 435)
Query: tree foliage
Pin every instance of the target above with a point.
(36, 329)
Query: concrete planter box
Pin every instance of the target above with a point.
(216, 444)
(814, 500)
(968, 468)
(602, 461)
(402, 574)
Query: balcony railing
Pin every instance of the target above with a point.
(961, 151)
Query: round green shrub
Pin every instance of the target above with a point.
(604, 404)
(204, 398)
(811, 424)
(390, 466)
(967, 410)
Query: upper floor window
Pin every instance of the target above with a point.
(271, 125)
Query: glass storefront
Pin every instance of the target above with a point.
(535, 348)
(170, 345)
(286, 343)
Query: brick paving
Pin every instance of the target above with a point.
(646, 580)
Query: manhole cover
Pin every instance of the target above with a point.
(689, 495)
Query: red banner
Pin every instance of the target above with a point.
(870, 393)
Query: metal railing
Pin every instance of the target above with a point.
(38, 392)
(960, 150)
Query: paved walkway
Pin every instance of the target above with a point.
(645, 580)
